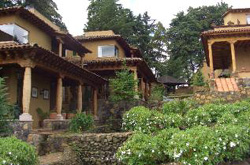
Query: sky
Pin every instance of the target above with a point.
(74, 12)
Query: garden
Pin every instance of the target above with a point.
(187, 133)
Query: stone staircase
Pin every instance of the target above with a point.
(226, 85)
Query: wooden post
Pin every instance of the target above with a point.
(79, 98)
(95, 103)
(211, 62)
(82, 61)
(59, 98)
(150, 88)
(60, 48)
(142, 88)
(26, 95)
(146, 91)
(233, 56)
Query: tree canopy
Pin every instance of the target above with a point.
(46, 7)
(184, 45)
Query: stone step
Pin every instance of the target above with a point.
(51, 159)
(226, 85)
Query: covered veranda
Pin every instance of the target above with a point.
(31, 70)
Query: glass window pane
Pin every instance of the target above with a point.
(19, 34)
(248, 19)
(106, 51)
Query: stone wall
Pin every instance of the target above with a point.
(21, 129)
(89, 148)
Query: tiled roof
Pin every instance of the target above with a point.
(92, 64)
(229, 30)
(97, 37)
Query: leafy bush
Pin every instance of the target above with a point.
(173, 120)
(123, 86)
(198, 79)
(81, 122)
(233, 141)
(144, 149)
(142, 119)
(14, 151)
(157, 93)
(178, 106)
(6, 110)
(197, 117)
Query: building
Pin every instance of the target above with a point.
(37, 76)
(109, 52)
(227, 49)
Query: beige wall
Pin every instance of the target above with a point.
(93, 47)
(243, 61)
(36, 35)
(40, 82)
(233, 17)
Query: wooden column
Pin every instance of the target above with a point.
(82, 61)
(60, 48)
(211, 62)
(136, 79)
(26, 95)
(95, 103)
(233, 55)
(59, 94)
(79, 98)
(142, 88)
(149, 89)
(146, 91)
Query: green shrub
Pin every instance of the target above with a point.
(198, 117)
(198, 79)
(157, 93)
(173, 120)
(14, 151)
(227, 118)
(81, 122)
(144, 149)
(123, 86)
(142, 119)
(234, 141)
(6, 110)
(178, 106)
(197, 145)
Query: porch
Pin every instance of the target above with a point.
(37, 78)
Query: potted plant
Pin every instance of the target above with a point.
(42, 115)
(53, 114)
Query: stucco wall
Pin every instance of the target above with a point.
(242, 59)
(40, 82)
(233, 17)
(36, 35)
(93, 46)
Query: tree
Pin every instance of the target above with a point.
(159, 49)
(183, 38)
(198, 79)
(123, 86)
(46, 7)
(6, 110)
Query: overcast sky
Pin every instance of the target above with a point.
(74, 12)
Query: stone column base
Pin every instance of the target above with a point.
(59, 117)
(25, 117)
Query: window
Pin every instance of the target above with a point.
(248, 19)
(15, 32)
(108, 51)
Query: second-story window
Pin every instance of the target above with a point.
(108, 51)
(248, 19)
(13, 32)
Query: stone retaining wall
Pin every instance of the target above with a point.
(89, 148)
(21, 129)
